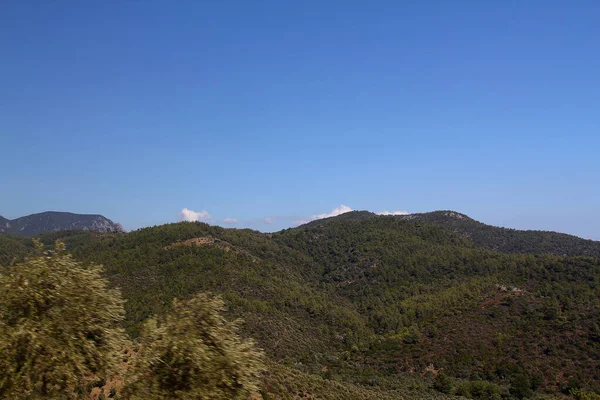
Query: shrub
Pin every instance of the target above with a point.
(59, 327)
(194, 353)
(443, 383)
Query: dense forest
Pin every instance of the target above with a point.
(374, 307)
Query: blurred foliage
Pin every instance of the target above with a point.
(194, 353)
(60, 328)
(583, 395)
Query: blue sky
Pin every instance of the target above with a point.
(252, 110)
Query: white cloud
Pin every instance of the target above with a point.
(342, 209)
(190, 216)
(392, 213)
(336, 211)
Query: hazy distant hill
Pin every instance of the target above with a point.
(50, 221)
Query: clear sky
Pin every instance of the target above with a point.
(270, 112)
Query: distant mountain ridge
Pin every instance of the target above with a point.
(50, 221)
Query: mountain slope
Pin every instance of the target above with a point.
(35, 224)
(436, 300)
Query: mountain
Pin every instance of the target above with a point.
(4, 223)
(361, 306)
(505, 240)
(50, 221)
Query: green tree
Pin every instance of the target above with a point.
(194, 353)
(60, 328)
(443, 383)
(520, 386)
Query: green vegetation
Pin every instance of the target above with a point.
(434, 299)
(370, 307)
(14, 248)
(582, 395)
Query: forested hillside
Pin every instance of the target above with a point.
(369, 307)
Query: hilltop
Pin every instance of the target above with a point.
(495, 238)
